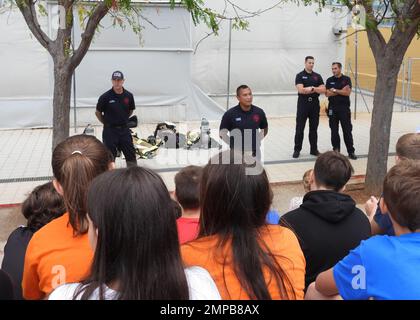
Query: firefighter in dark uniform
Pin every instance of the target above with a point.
(113, 109)
(244, 123)
(309, 85)
(338, 93)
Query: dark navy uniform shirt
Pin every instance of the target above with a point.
(338, 83)
(236, 118)
(308, 80)
(116, 107)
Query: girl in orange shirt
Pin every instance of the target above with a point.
(247, 258)
(133, 230)
(60, 252)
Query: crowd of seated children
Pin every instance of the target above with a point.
(383, 267)
(96, 233)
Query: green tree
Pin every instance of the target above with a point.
(66, 57)
(405, 18)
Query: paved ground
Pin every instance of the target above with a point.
(25, 155)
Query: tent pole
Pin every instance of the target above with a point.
(356, 73)
(229, 55)
(74, 84)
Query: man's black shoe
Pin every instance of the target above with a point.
(315, 153)
(352, 156)
(296, 154)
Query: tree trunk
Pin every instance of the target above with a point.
(388, 57)
(61, 103)
(386, 83)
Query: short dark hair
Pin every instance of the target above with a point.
(187, 182)
(177, 209)
(42, 205)
(338, 64)
(241, 87)
(401, 190)
(309, 57)
(408, 146)
(332, 170)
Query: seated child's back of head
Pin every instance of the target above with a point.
(332, 171)
(401, 194)
(408, 146)
(187, 182)
(42, 205)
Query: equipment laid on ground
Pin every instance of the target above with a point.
(144, 149)
(205, 139)
(166, 132)
(166, 136)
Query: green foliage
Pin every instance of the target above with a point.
(41, 9)
(201, 14)
(240, 24)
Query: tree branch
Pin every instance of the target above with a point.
(100, 11)
(395, 8)
(384, 13)
(28, 11)
(415, 13)
(408, 8)
(349, 35)
(401, 38)
(211, 33)
(376, 42)
(223, 16)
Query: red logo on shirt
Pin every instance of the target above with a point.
(315, 78)
(256, 118)
(126, 101)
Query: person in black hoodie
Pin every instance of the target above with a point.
(41, 206)
(327, 224)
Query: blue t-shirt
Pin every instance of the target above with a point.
(272, 217)
(382, 267)
(384, 222)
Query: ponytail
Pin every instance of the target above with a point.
(76, 162)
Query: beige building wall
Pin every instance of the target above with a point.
(366, 63)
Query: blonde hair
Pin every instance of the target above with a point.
(306, 180)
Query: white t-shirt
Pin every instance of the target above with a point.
(200, 284)
(295, 203)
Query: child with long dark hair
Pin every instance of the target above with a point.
(247, 258)
(132, 227)
(60, 253)
(42, 205)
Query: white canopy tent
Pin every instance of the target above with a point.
(168, 80)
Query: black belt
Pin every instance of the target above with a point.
(312, 99)
(116, 127)
(308, 99)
